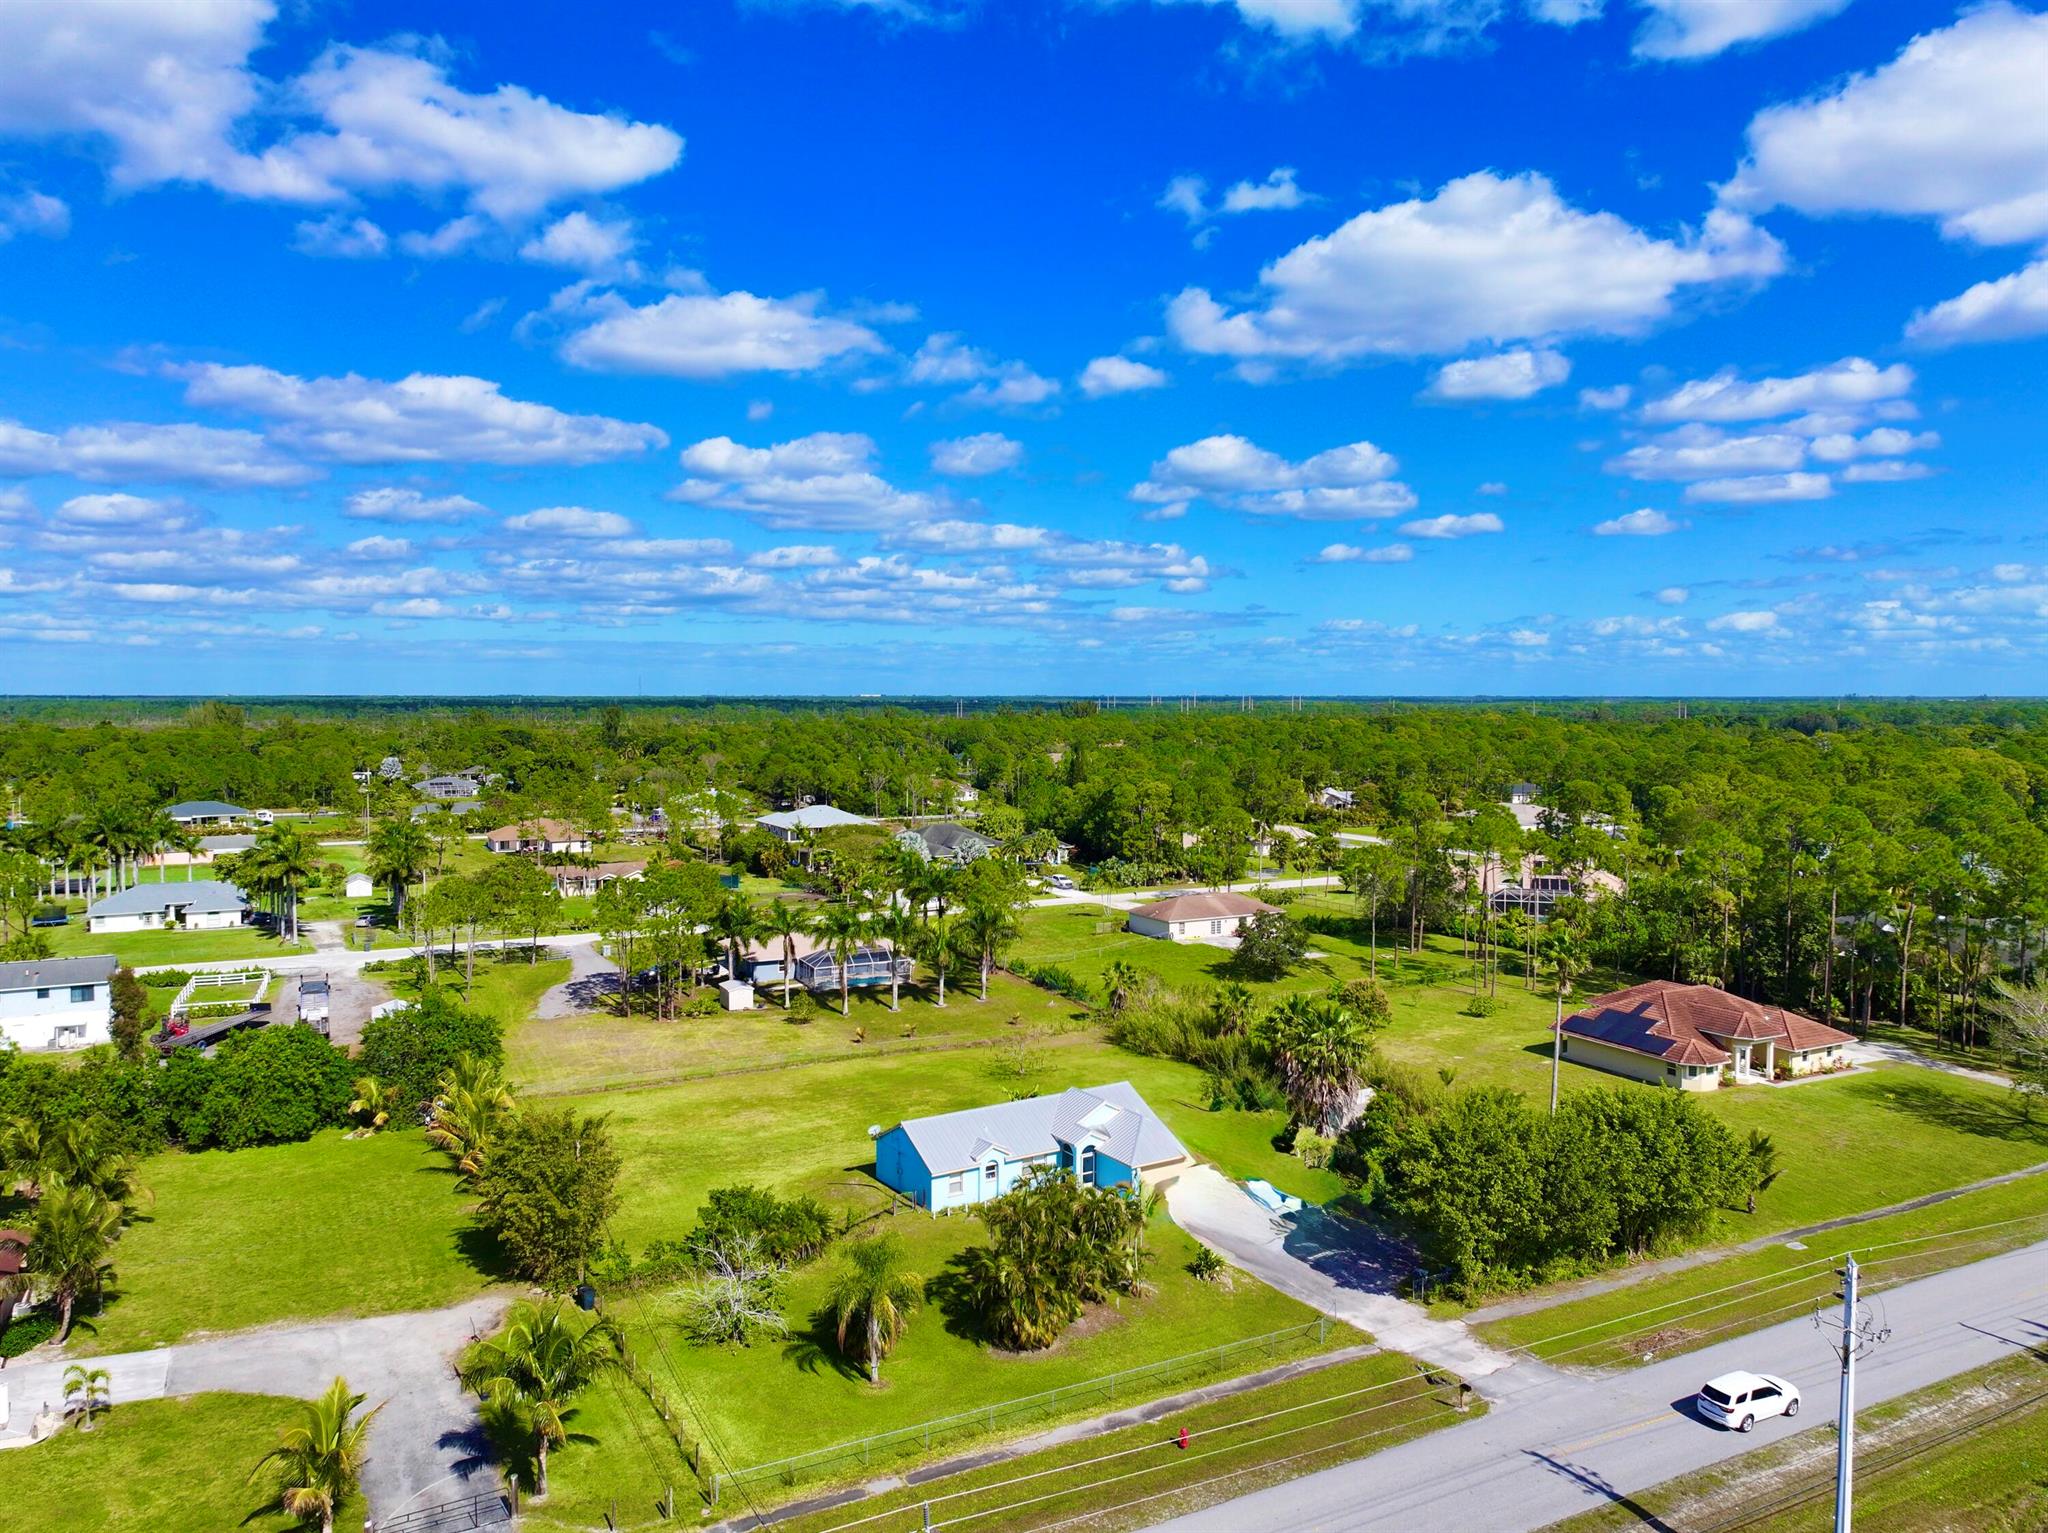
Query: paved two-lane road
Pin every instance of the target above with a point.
(1574, 1443)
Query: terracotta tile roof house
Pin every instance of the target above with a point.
(537, 836)
(570, 879)
(1686, 1035)
(1196, 917)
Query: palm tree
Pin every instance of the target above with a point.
(1120, 981)
(66, 1255)
(398, 856)
(372, 1104)
(320, 1458)
(844, 931)
(471, 1102)
(76, 1154)
(987, 928)
(896, 925)
(1321, 1048)
(786, 921)
(940, 946)
(93, 1386)
(547, 1352)
(874, 1294)
(281, 863)
(737, 924)
(1559, 949)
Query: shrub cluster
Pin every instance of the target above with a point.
(1503, 1194)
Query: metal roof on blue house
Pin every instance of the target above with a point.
(1114, 1117)
(205, 895)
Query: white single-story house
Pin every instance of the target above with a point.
(360, 886)
(1106, 1135)
(571, 879)
(57, 1003)
(1196, 917)
(946, 843)
(791, 824)
(1522, 792)
(550, 836)
(1336, 798)
(205, 811)
(205, 904)
(1686, 1035)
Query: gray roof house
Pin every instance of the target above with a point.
(1106, 1135)
(204, 904)
(946, 843)
(788, 824)
(201, 811)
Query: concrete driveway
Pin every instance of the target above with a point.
(425, 1445)
(1343, 1268)
(592, 983)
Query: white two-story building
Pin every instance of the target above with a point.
(57, 1003)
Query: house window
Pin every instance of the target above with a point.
(1087, 1165)
(42, 992)
(1215, 928)
(992, 1173)
(957, 1186)
(81, 992)
(1671, 1069)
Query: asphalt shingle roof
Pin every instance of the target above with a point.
(36, 973)
(206, 895)
(1123, 1127)
(812, 817)
(205, 808)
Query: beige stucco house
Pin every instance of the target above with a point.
(1687, 1035)
(1196, 917)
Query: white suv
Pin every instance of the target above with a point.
(1741, 1400)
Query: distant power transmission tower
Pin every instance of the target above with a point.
(1855, 1334)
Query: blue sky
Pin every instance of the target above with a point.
(1089, 346)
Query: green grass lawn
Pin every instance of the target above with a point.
(171, 947)
(170, 1466)
(504, 988)
(333, 1226)
(805, 1128)
(601, 1049)
(1328, 1416)
(1737, 1294)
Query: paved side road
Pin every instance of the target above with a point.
(1550, 1453)
(425, 1447)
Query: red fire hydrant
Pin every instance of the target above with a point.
(1183, 1437)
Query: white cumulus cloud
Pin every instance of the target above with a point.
(1645, 523)
(1454, 526)
(1488, 259)
(1340, 484)
(825, 481)
(136, 450)
(423, 418)
(1119, 375)
(2009, 308)
(704, 335)
(1516, 374)
(1698, 29)
(571, 522)
(393, 503)
(1851, 383)
(986, 452)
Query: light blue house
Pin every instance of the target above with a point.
(1105, 1135)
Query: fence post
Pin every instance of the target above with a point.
(668, 1504)
(1322, 1329)
(927, 1517)
(716, 1476)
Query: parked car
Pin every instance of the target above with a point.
(1060, 881)
(1740, 1400)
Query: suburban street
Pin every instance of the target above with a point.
(1549, 1452)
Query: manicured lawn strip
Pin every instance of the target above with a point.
(1968, 1456)
(1388, 1403)
(778, 1399)
(1873, 1138)
(171, 1466)
(806, 1128)
(1616, 1328)
(171, 947)
(507, 988)
(600, 1050)
(333, 1226)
